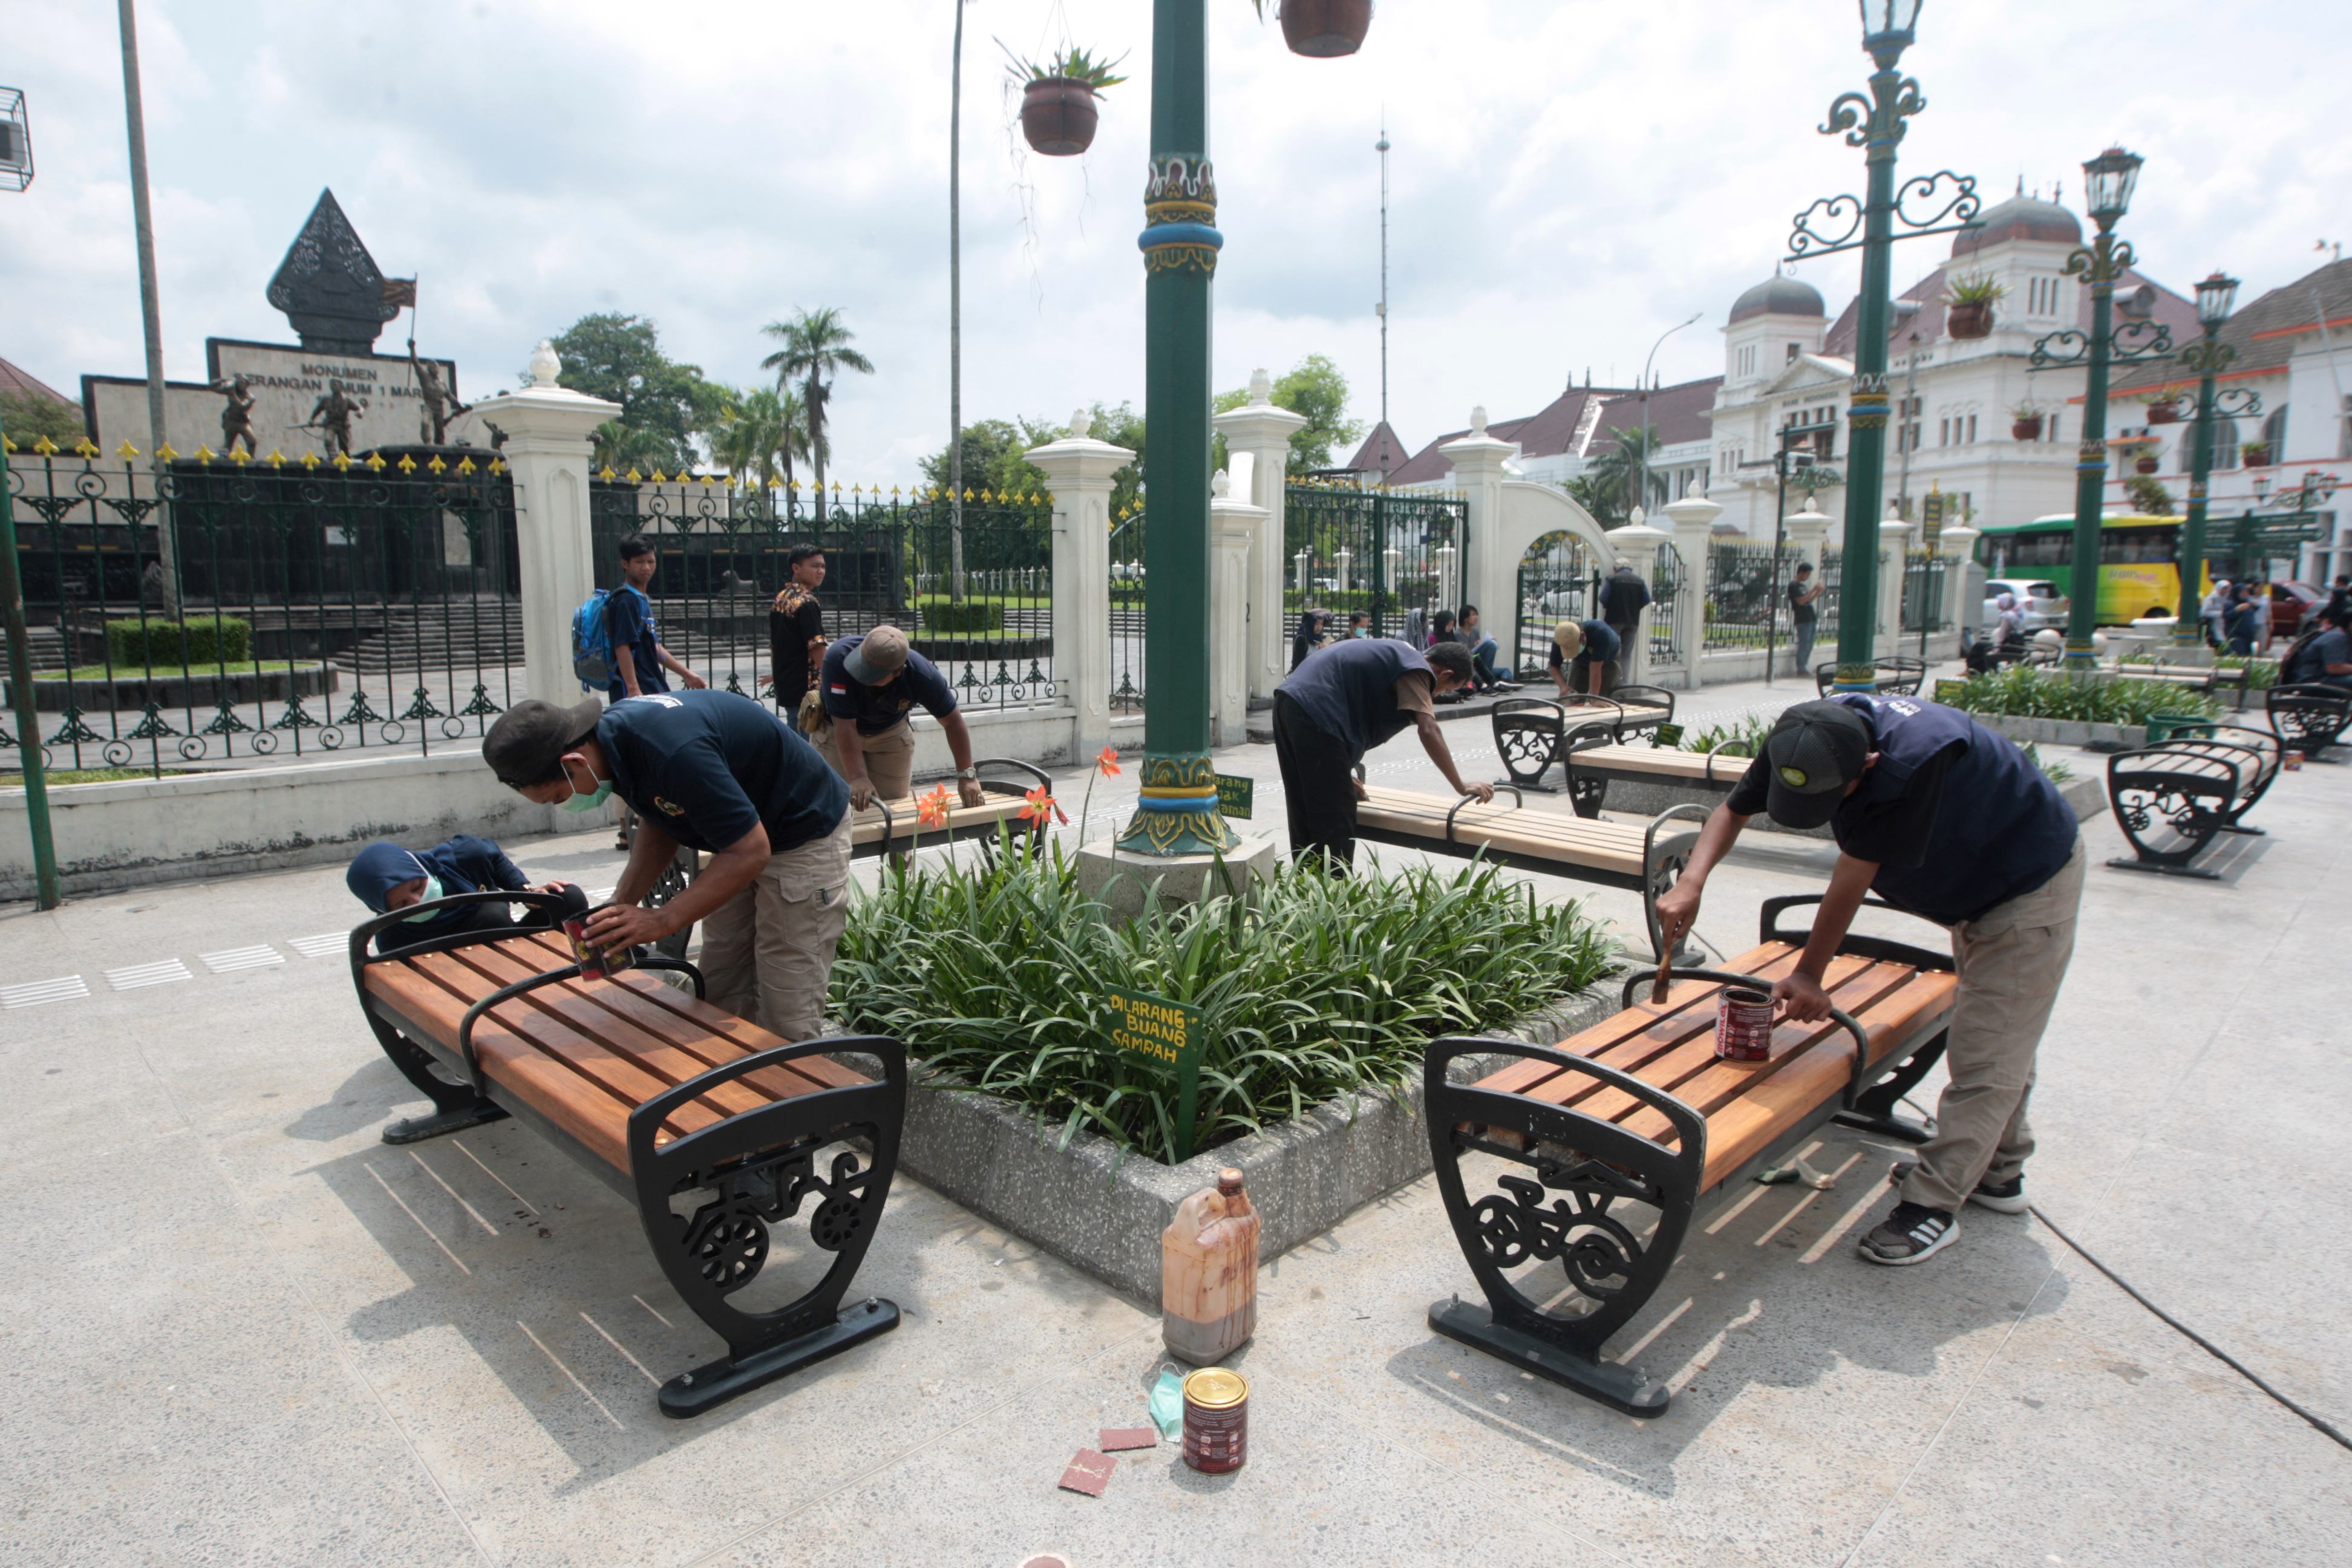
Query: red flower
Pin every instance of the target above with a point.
(931, 810)
(1040, 805)
(1107, 763)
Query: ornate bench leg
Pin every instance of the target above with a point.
(1602, 1176)
(754, 1171)
(1874, 1109)
(2147, 797)
(456, 1106)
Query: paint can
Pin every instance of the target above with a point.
(1743, 1025)
(2291, 759)
(1216, 1420)
(596, 963)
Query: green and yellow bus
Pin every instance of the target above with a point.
(2139, 573)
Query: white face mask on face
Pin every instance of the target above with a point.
(431, 891)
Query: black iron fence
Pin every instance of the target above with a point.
(1560, 580)
(1825, 608)
(1665, 596)
(1745, 588)
(972, 586)
(1923, 607)
(1127, 535)
(320, 606)
(1348, 548)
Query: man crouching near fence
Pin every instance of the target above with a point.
(721, 774)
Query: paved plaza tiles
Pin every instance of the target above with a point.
(241, 1329)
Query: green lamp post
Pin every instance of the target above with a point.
(2209, 356)
(1887, 212)
(2108, 182)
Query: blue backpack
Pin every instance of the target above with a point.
(591, 644)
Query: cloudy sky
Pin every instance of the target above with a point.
(1569, 178)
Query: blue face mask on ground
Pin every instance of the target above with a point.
(431, 891)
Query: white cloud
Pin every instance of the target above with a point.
(1568, 179)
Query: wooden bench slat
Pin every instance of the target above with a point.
(422, 1007)
(641, 1011)
(866, 826)
(608, 1083)
(1571, 840)
(581, 1012)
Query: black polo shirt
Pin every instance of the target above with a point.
(706, 767)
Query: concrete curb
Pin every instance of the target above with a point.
(1103, 1211)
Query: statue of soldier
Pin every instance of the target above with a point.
(441, 408)
(331, 417)
(237, 419)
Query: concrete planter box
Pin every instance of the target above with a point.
(2065, 732)
(1103, 1211)
(201, 689)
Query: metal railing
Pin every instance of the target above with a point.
(1126, 657)
(1665, 597)
(1747, 593)
(1348, 548)
(1558, 580)
(1923, 609)
(974, 593)
(324, 605)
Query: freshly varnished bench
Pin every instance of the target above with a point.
(717, 1130)
(2173, 800)
(1533, 734)
(1608, 1142)
(894, 826)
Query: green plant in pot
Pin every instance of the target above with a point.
(1058, 113)
(2025, 422)
(2256, 454)
(2148, 496)
(1968, 306)
(2163, 407)
(1322, 29)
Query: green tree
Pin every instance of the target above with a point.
(1609, 482)
(760, 433)
(26, 417)
(816, 351)
(624, 449)
(666, 406)
(993, 457)
(1313, 388)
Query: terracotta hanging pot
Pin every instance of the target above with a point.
(2257, 454)
(2164, 414)
(1058, 116)
(2146, 463)
(2027, 429)
(1325, 28)
(1969, 321)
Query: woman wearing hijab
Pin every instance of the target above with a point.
(1313, 627)
(386, 878)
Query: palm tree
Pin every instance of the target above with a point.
(1610, 487)
(816, 350)
(623, 447)
(759, 434)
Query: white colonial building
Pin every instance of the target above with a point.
(1957, 403)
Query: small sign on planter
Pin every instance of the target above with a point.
(1170, 1035)
(1948, 692)
(1234, 795)
(1666, 736)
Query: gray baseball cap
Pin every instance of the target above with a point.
(877, 656)
(524, 745)
(1815, 750)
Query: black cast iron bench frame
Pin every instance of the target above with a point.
(2309, 716)
(1532, 735)
(2199, 787)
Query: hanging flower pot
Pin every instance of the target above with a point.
(2146, 463)
(2027, 427)
(1969, 319)
(2164, 412)
(1058, 116)
(2257, 454)
(1326, 28)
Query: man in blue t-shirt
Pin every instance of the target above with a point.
(1943, 819)
(638, 655)
(870, 685)
(721, 774)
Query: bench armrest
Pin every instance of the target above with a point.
(1656, 863)
(1861, 946)
(1517, 801)
(365, 932)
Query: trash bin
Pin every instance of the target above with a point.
(2163, 727)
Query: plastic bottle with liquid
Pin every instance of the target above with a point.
(1208, 1273)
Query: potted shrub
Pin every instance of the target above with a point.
(2148, 496)
(2256, 454)
(2163, 408)
(1324, 28)
(2145, 460)
(1968, 306)
(2025, 422)
(1058, 113)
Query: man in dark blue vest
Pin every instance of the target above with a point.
(1343, 701)
(1945, 819)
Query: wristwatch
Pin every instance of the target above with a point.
(971, 773)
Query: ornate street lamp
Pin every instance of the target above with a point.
(1874, 123)
(2108, 182)
(2208, 357)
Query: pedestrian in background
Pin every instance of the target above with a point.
(796, 634)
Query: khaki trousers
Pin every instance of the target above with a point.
(890, 757)
(2010, 963)
(767, 953)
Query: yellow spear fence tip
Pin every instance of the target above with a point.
(605, 473)
(660, 478)
(436, 465)
(126, 452)
(893, 490)
(633, 475)
(239, 455)
(464, 465)
(376, 463)
(342, 462)
(497, 465)
(165, 452)
(6, 444)
(278, 459)
(45, 446)
(309, 460)
(406, 465)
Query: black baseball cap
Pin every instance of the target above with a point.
(1815, 750)
(524, 745)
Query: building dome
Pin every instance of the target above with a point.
(1777, 297)
(2020, 217)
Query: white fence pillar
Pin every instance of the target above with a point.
(1637, 544)
(1079, 472)
(1806, 529)
(1894, 543)
(1260, 432)
(1234, 529)
(1490, 571)
(1694, 520)
(548, 451)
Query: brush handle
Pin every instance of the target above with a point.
(1658, 985)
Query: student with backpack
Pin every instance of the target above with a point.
(616, 646)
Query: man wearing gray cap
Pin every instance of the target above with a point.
(869, 685)
(1942, 818)
(718, 773)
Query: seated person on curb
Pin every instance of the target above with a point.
(1483, 649)
(1584, 658)
(1945, 819)
(870, 684)
(1342, 703)
(386, 878)
(721, 774)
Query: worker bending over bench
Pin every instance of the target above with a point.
(1945, 819)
